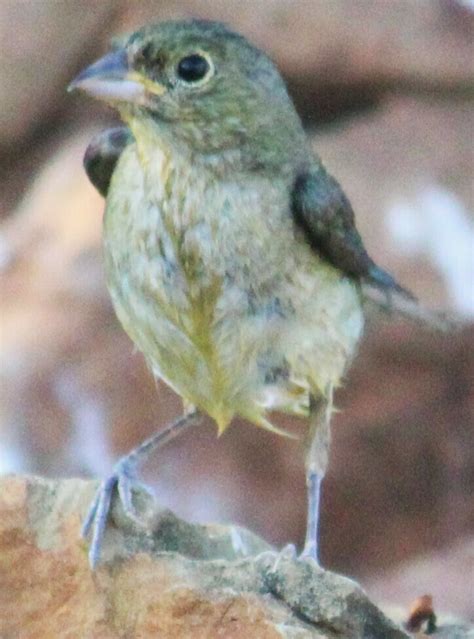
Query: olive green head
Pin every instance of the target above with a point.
(206, 84)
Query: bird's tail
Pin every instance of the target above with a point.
(385, 282)
(393, 299)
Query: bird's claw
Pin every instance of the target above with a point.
(286, 553)
(289, 553)
(126, 481)
(122, 482)
(310, 554)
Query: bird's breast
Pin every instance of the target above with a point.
(211, 283)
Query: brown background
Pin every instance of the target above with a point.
(385, 88)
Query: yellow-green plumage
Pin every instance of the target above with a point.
(232, 256)
(219, 290)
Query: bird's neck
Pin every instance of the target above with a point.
(153, 136)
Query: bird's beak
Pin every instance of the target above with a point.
(111, 79)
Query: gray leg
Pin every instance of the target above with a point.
(311, 544)
(317, 448)
(122, 480)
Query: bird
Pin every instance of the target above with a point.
(232, 256)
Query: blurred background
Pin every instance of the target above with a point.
(385, 88)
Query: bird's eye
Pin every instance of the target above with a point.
(193, 68)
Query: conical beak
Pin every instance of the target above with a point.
(111, 79)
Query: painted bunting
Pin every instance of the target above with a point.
(232, 256)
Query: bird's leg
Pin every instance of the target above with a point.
(123, 480)
(313, 487)
(317, 447)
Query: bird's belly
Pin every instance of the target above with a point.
(234, 333)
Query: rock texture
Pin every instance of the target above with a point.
(172, 580)
(166, 579)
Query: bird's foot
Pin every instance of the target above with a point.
(122, 482)
(278, 565)
(286, 553)
(310, 553)
(289, 553)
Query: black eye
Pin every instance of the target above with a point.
(193, 68)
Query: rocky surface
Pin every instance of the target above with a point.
(168, 578)
(175, 579)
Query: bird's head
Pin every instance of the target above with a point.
(200, 83)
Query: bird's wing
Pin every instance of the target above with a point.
(324, 213)
(102, 155)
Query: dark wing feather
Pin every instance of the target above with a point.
(102, 155)
(324, 213)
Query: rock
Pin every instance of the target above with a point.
(170, 579)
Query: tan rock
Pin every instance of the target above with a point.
(176, 580)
